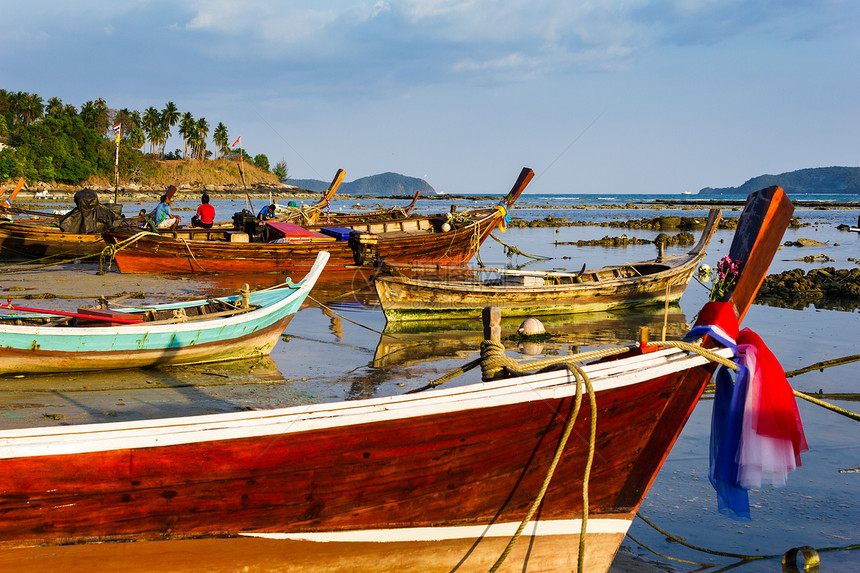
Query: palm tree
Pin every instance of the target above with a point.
(187, 126)
(102, 117)
(95, 115)
(221, 139)
(88, 114)
(169, 118)
(157, 137)
(203, 131)
(26, 108)
(136, 138)
(54, 107)
(128, 120)
(151, 119)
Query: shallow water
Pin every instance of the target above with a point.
(341, 353)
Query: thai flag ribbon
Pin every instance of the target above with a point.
(756, 432)
(503, 211)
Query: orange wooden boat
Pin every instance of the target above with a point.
(444, 238)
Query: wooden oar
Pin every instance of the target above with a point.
(10, 306)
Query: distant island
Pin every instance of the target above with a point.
(382, 185)
(838, 180)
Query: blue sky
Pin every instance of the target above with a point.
(615, 96)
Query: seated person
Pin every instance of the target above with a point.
(267, 212)
(161, 215)
(205, 214)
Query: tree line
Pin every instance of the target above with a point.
(52, 141)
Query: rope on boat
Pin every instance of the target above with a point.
(789, 558)
(110, 250)
(827, 405)
(193, 258)
(31, 263)
(516, 251)
(581, 380)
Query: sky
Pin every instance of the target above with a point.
(607, 97)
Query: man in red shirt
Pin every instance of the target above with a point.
(205, 214)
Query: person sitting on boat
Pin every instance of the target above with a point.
(162, 217)
(143, 216)
(267, 212)
(205, 214)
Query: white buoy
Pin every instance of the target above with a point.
(530, 327)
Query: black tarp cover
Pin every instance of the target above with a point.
(89, 216)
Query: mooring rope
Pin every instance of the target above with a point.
(110, 250)
(193, 258)
(516, 251)
(812, 560)
(52, 261)
(581, 380)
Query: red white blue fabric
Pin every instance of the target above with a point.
(756, 432)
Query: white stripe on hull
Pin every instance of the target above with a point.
(535, 528)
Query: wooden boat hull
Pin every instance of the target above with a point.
(456, 468)
(384, 481)
(405, 299)
(40, 240)
(658, 281)
(411, 239)
(46, 349)
(420, 240)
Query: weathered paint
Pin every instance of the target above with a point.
(68, 348)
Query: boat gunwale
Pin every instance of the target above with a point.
(160, 432)
(296, 290)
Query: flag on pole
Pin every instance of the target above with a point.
(116, 129)
(235, 143)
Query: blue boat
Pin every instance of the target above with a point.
(210, 330)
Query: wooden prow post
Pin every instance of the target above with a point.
(492, 318)
(762, 223)
(335, 183)
(526, 175)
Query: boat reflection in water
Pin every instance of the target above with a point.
(407, 343)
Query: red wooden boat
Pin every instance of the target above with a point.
(448, 238)
(432, 481)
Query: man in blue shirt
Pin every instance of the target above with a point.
(162, 217)
(267, 212)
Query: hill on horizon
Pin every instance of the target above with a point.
(382, 184)
(812, 180)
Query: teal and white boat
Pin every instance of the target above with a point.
(210, 330)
